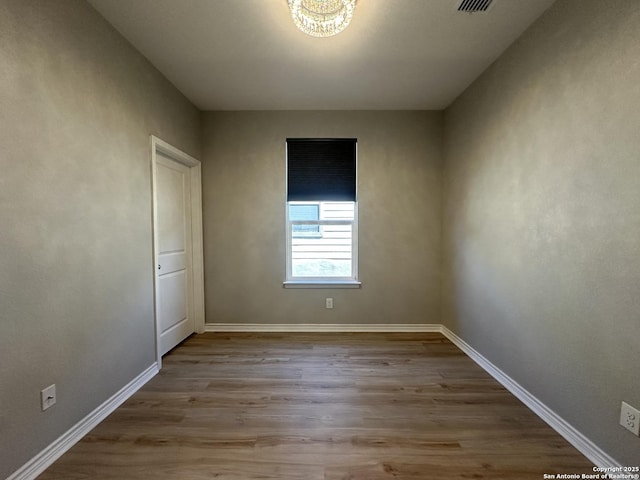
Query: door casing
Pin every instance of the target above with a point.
(195, 177)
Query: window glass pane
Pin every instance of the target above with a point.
(337, 210)
(321, 235)
(304, 212)
(326, 255)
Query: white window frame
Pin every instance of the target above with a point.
(324, 281)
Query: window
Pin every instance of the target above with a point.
(321, 213)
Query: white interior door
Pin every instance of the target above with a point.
(173, 256)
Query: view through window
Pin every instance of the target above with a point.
(322, 235)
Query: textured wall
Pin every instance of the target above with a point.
(77, 106)
(399, 189)
(542, 217)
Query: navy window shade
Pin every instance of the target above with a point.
(321, 169)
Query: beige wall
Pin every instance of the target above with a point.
(77, 106)
(399, 180)
(541, 215)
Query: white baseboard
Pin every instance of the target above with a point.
(45, 458)
(585, 446)
(570, 434)
(323, 327)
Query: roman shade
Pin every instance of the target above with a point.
(321, 169)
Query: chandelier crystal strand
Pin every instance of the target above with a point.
(322, 18)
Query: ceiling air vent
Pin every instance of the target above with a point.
(473, 6)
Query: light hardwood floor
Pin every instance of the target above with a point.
(320, 406)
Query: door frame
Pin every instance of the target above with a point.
(197, 254)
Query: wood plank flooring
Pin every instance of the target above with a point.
(320, 406)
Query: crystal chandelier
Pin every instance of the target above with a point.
(322, 18)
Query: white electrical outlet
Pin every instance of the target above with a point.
(329, 302)
(630, 418)
(48, 397)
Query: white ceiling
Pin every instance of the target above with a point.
(248, 54)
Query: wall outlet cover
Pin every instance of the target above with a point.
(630, 418)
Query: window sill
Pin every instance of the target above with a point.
(321, 284)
